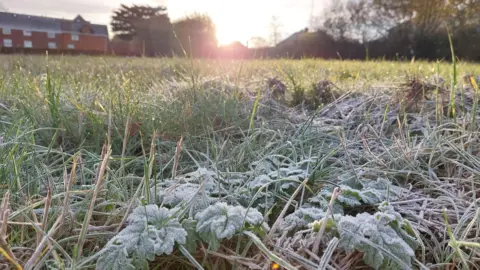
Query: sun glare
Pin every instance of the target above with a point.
(236, 21)
(228, 32)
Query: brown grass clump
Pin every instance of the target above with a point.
(416, 92)
(324, 91)
(276, 89)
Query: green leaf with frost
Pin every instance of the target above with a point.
(176, 195)
(366, 192)
(151, 231)
(260, 199)
(211, 239)
(183, 193)
(189, 225)
(140, 264)
(302, 217)
(225, 220)
(264, 166)
(259, 181)
(201, 176)
(378, 229)
(114, 258)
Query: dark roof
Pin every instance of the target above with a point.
(292, 38)
(43, 24)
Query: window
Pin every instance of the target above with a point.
(7, 43)
(52, 45)
(27, 33)
(75, 37)
(7, 31)
(51, 35)
(71, 46)
(27, 44)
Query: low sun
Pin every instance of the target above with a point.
(235, 20)
(229, 31)
(225, 37)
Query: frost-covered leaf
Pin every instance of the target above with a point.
(113, 258)
(260, 199)
(191, 193)
(225, 220)
(259, 181)
(264, 166)
(288, 185)
(302, 217)
(176, 195)
(150, 231)
(363, 192)
(202, 176)
(140, 264)
(383, 239)
(349, 196)
(292, 172)
(189, 225)
(53, 264)
(211, 239)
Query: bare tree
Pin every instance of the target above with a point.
(363, 20)
(337, 20)
(275, 28)
(257, 42)
(2, 7)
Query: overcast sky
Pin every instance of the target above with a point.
(236, 20)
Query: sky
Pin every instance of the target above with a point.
(238, 20)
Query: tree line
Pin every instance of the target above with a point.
(151, 29)
(347, 29)
(391, 29)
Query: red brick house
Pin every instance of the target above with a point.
(26, 33)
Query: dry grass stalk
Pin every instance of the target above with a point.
(43, 225)
(81, 123)
(39, 250)
(98, 187)
(176, 160)
(48, 201)
(125, 137)
(68, 185)
(35, 220)
(284, 211)
(110, 126)
(318, 237)
(5, 249)
(68, 182)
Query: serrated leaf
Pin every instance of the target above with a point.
(211, 239)
(302, 217)
(225, 220)
(379, 229)
(151, 231)
(355, 193)
(189, 225)
(115, 258)
(140, 264)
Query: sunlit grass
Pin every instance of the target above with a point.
(59, 114)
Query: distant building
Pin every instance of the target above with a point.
(26, 33)
(134, 47)
(292, 39)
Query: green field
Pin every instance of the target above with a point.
(132, 163)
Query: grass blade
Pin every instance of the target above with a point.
(267, 252)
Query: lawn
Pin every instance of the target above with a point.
(133, 163)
